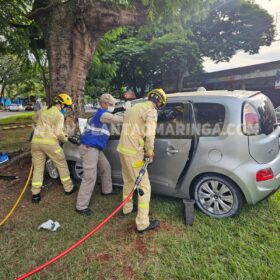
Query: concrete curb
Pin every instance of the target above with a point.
(15, 126)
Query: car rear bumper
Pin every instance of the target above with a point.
(245, 177)
(271, 193)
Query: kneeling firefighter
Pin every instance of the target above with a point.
(48, 132)
(136, 142)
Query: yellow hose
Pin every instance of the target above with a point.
(19, 198)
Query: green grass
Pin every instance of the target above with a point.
(13, 140)
(244, 247)
(19, 118)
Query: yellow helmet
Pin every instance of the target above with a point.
(63, 98)
(159, 95)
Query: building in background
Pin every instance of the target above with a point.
(263, 77)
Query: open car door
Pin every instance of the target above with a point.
(174, 140)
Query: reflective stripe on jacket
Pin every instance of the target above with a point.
(48, 126)
(139, 123)
(96, 133)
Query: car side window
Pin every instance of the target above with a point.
(172, 121)
(210, 118)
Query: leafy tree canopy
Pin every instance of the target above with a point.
(15, 28)
(236, 25)
(146, 64)
(180, 33)
(16, 80)
(157, 54)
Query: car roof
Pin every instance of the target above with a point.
(240, 94)
(211, 95)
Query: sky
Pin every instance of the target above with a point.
(266, 54)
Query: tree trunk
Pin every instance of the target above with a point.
(135, 90)
(70, 49)
(2, 90)
(44, 77)
(143, 91)
(181, 77)
(71, 33)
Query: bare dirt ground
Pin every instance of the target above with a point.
(10, 189)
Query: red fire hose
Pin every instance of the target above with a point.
(41, 267)
(62, 254)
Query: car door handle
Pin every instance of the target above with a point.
(171, 151)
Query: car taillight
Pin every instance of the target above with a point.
(264, 175)
(251, 124)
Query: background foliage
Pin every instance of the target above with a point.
(175, 42)
(162, 53)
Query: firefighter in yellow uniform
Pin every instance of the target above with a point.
(136, 142)
(48, 133)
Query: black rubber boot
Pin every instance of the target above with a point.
(36, 198)
(85, 212)
(113, 192)
(72, 191)
(153, 224)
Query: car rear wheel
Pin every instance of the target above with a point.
(76, 170)
(217, 196)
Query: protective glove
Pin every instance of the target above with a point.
(150, 155)
(74, 139)
(117, 110)
(61, 143)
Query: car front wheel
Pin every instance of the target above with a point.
(51, 170)
(217, 196)
(76, 170)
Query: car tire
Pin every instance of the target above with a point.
(76, 170)
(217, 196)
(51, 170)
(52, 176)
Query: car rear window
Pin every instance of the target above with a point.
(210, 118)
(266, 113)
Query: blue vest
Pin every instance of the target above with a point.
(96, 133)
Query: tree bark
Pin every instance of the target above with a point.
(2, 90)
(71, 33)
(180, 83)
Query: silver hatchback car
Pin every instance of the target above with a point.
(220, 148)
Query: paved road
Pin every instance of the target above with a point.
(8, 114)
